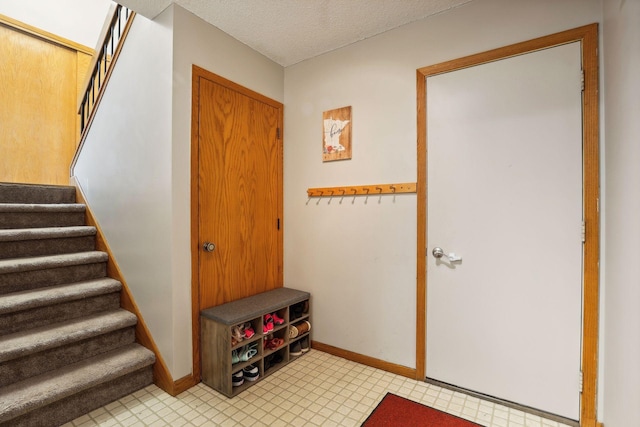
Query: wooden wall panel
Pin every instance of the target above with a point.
(38, 101)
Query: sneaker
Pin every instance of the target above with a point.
(247, 352)
(251, 373)
(295, 349)
(304, 344)
(268, 324)
(277, 319)
(248, 331)
(237, 378)
(235, 357)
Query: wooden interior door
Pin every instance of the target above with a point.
(239, 191)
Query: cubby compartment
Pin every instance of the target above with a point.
(233, 360)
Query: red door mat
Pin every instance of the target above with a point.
(397, 411)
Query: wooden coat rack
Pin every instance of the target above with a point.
(363, 190)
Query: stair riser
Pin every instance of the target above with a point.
(15, 322)
(72, 407)
(26, 248)
(27, 280)
(10, 220)
(16, 193)
(36, 364)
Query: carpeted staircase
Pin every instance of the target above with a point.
(66, 346)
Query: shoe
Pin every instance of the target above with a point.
(293, 331)
(296, 310)
(267, 362)
(237, 378)
(235, 357)
(295, 349)
(251, 373)
(305, 307)
(304, 344)
(248, 330)
(268, 324)
(277, 319)
(247, 352)
(237, 333)
(273, 343)
(302, 327)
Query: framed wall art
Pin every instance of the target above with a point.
(336, 138)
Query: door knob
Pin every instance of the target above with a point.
(438, 253)
(208, 247)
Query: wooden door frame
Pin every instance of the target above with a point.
(196, 74)
(588, 36)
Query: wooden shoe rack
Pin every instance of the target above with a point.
(216, 332)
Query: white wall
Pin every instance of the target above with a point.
(358, 257)
(197, 42)
(135, 167)
(77, 20)
(622, 242)
(125, 170)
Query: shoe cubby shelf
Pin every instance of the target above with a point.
(267, 349)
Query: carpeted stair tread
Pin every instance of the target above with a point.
(36, 193)
(35, 340)
(14, 235)
(41, 207)
(25, 300)
(36, 392)
(51, 261)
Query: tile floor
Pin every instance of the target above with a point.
(317, 389)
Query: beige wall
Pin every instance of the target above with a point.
(135, 165)
(621, 54)
(357, 257)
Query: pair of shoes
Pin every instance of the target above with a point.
(267, 324)
(241, 332)
(273, 343)
(272, 360)
(237, 379)
(295, 349)
(244, 353)
(304, 344)
(299, 328)
(250, 373)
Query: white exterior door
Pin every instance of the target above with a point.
(504, 192)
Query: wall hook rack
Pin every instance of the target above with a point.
(363, 190)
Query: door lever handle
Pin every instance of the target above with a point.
(438, 253)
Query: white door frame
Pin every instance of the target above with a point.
(588, 37)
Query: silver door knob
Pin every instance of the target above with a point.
(437, 252)
(208, 247)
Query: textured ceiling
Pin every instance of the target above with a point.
(290, 31)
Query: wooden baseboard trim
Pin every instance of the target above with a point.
(161, 375)
(365, 360)
(599, 424)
